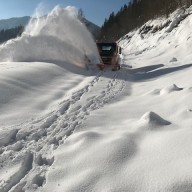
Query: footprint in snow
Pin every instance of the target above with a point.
(44, 161)
(74, 109)
(49, 121)
(38, 180)
(64, 107)
(173, 60)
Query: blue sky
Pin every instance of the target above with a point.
(94, 10)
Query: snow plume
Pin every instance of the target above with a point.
(57, 37)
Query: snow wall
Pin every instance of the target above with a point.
(58, 37)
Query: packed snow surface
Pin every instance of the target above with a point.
(65, 128)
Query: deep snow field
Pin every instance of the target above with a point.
(65, 128)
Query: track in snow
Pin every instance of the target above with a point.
(29, 153)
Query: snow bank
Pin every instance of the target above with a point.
(57, 37)
(167, 39)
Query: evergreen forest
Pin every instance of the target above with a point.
(134, 14)
(7, 34)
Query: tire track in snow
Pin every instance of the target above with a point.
(48, 132)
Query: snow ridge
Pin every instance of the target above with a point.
(152, 118)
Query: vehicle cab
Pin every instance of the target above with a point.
(110, 55)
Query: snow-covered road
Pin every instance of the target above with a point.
(64, 128)
(34, 142)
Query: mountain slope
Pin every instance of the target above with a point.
(94, 29)
(23, 21)
(14, 22)
(163, 37)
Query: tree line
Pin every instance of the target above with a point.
(135, 14)
(7, 34)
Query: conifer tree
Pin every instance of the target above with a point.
(135, 14)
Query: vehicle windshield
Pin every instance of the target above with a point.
(106, 49)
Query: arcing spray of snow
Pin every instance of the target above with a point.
(57, 37)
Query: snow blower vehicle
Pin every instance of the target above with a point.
(110, 54)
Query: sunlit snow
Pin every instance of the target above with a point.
(66, 128)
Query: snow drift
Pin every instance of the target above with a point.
(57, 37)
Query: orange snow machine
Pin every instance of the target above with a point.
(110, 55)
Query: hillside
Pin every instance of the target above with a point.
(163, 38)
(67, 128)
(13, 23)
(94, 29)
